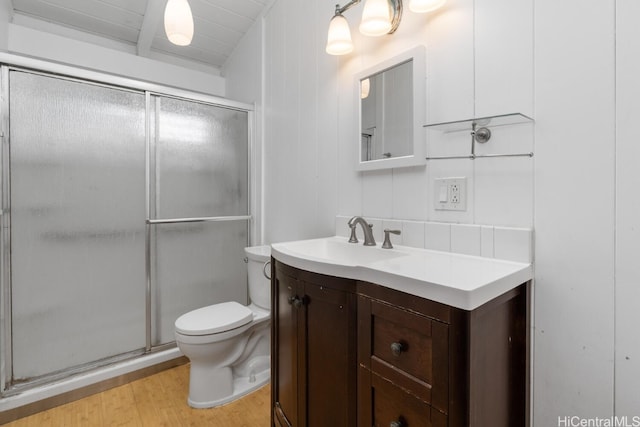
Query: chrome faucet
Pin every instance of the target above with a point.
(387, 241)
(366, 229)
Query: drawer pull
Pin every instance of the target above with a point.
(397, 348)
(397, 424)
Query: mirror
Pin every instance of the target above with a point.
(391, 111)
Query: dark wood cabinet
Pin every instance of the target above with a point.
(422, 363)
(403, 365)
(314, 380)
(347, 353)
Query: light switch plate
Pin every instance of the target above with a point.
(450, 194)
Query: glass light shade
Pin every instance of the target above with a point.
(178, 22)
(339, 36)
(424, 6)
(376, 18)
(365, 88)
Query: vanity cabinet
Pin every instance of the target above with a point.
(426, 364)
(313, 358)
(350, 353)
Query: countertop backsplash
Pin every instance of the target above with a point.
(507, 243)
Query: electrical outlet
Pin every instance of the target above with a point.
(451, 194)
(455, 193)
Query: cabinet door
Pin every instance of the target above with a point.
(285, 393)
(330, 356)
(314, 349)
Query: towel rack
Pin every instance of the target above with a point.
(480, 133)
(480, 156)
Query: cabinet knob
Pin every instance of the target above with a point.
(296, 301)
(397, 348)
(397, 424)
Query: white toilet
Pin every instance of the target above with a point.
(228, 344)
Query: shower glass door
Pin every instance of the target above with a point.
(121, 210)
(198, 209)
(77, 174)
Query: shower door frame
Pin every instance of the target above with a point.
(10, 62)
(150, 222)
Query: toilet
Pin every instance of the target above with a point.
(228, 344)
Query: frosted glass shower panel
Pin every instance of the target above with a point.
(201, 160)
(195, 265)
(77, 155)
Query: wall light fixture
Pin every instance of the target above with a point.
(178, 22)
(379, 17)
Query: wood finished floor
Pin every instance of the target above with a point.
(157, 400)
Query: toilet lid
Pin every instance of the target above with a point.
(214, 319)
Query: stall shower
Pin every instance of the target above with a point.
(121, 209)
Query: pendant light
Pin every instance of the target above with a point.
(376, 18)
(424, 6)
(178, 22)
(339, 37)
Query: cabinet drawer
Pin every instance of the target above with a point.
(392, 406)
(403, 340)
(407, 348)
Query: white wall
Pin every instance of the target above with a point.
(243, 79)
(26, 41)
(243, 69)
(467, 54)
(309, 116)
(627, 197)
(300, 117)
(6, 15)
(573, 66)
(574, 209)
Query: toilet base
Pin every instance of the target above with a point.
(241, 386)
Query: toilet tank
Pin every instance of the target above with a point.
(259, 285)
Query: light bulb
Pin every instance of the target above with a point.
(424, 6)
(178, 22)
(376, 18)
(365, 88)
(339, 36)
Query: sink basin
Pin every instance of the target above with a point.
(461, 281)
(337, 250)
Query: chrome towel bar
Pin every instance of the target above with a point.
(201, 219)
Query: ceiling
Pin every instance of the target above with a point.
(138, 25)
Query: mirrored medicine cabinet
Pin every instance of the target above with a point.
(391, 101)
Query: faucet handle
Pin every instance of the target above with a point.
(387, 241)
(353, 238)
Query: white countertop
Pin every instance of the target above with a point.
(461, 281)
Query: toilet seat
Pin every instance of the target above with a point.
(214, 319)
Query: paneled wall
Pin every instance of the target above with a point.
(627, 236)
(574, 209)
(243, 81)
(466, 56)
(6, 12)
(301, 118)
